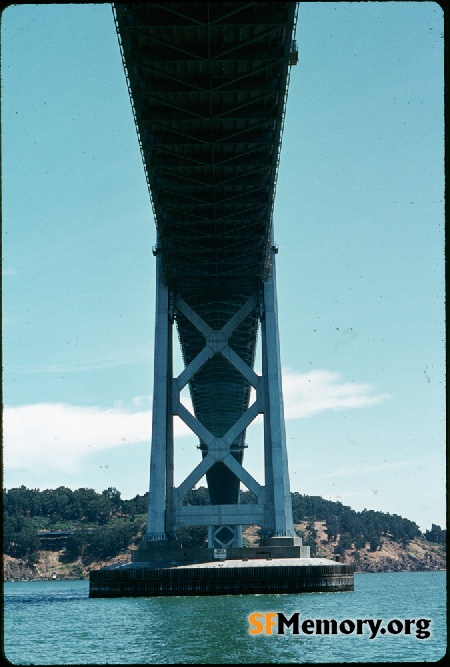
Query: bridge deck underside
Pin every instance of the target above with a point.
(208, 83)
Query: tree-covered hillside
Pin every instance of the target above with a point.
(357, 528)
(103, 524)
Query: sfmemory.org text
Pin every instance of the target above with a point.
(276, 623)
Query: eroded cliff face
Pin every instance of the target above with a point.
(49, 567)
(15, 569)
(404, 562)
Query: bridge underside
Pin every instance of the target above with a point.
(208, 82)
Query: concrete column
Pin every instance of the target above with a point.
(269, 524)
(161, 456)
(279, 504)
(170, 519)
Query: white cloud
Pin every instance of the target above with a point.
(60, 436)
(306, 394)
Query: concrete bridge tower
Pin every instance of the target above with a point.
(221, 454)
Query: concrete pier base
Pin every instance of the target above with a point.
(165, 567)
(248, 575)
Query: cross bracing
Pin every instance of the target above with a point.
(208, 83)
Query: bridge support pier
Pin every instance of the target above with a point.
(211, 158)
(273, 509)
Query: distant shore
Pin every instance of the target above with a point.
(417, 556)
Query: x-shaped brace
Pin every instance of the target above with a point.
(216, 342)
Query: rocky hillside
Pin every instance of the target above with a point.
(49, 567)
(418, 555)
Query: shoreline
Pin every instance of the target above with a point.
(28, 575)
(36, 579)
(417, 556)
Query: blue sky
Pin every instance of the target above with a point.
(359, 222)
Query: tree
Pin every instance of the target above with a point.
(436, 534)
(360, 542)
(23, 541)
(105, 543)
(192, 536)
(374, 543)
(332, 527)
(247, 498)
(21, 501)
(8, 533)
(96, 508)
(345, 541)
(113, 495)
(198, 496)
(74, 547)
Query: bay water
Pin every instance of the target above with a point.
(56, 623)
